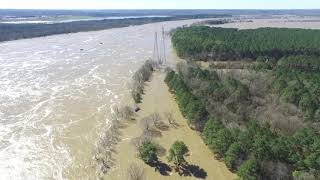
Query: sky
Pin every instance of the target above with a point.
(159, 4)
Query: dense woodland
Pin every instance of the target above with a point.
(19, 31)
(298, 83)
(205, 43)
(297, 80)
(230, 109)
(254, 150)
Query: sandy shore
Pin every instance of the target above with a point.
(159, 99)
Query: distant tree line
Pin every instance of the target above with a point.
(20, 31)
(212, 43)
(212, 22)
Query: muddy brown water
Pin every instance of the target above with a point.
(56, 95)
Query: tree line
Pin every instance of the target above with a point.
(21, 31)
(202, 93)
(212, 43)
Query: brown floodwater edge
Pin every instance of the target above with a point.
(158, 99)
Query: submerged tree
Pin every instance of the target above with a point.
(147, 152)
(177, 152)
(139, 78)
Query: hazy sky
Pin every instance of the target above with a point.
(160, 4)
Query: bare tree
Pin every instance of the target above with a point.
(142, 75)
(103, 153)
(158, 123)
(172, 122)
(135, 172)
(146, 123)
(138, 141)
(155, 117)
(105, 145)
(126, 112)
(161, 125)
(153, 120)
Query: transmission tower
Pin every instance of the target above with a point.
(163, 55)
(159, 51)
(156, 54)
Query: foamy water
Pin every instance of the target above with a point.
(56, 95)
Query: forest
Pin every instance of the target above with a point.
(296, 79)
(251, 148)
(211, 43)
(20, 31)
(298, 84)
(260, 111)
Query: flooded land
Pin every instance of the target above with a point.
(57, 94)
(158, 99)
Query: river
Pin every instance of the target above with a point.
(56, 95)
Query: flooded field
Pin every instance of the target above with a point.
(158, 99)
(56, 95)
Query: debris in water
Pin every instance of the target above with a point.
(136, 109)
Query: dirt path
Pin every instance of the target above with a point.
(158, 99)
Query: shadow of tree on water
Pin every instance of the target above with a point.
(183, 170)
(162, 168)
(192, 170)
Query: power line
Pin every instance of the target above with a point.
(163, 46)
(159, 51)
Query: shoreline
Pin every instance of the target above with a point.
(158, 99)
(125, 23)
(102, 30)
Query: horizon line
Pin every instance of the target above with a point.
(266, 9)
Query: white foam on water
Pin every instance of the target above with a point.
(49, 89)
(88, 40)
